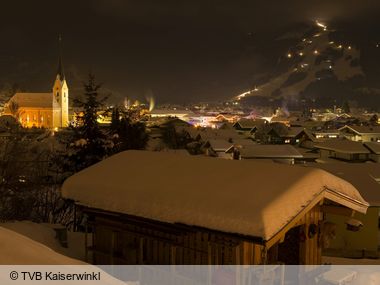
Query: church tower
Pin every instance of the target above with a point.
(60, 96)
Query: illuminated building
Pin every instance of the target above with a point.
(43, 110)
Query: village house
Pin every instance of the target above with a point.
(249, 126)
(278, 153)
(343, 149)
(225, 148)
(363, 243)
(374, 148)
(199, 210)
(361, 133)
(297, 135)
(327, 134)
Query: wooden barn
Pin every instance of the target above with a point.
(161, 208)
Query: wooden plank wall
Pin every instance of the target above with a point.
(311, 250)
(120, 242)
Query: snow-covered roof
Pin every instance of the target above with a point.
(250, 123)
(327, 132)
(18, 249)
(243, 197)
(344, 146)
(33, 100)
(364, 176)
(219, 144)
(363, 129)
(373, 146)
(294, 131)
(224, 134)
(270, 151)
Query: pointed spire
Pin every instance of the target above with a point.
(60, 71)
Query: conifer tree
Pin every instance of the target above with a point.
(90, 143)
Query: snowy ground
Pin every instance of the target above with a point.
(17, 249)
(349, 261)
(45, 234)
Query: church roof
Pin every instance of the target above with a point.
(33, 100)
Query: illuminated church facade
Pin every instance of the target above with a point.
(43, 110)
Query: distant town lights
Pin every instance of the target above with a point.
(316, 52)
(289, 55)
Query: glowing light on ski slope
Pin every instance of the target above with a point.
(316, 52)
(349, 47)
(242, 95)
(301, 53)
(289, 55)
(319, 24)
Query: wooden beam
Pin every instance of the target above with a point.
(337, 210)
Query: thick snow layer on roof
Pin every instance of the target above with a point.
(219, 144)
(245, 197)
(344, 146)
(18, 249)
(364, 176)
(294, 131)
(364, 129)
(270, 151)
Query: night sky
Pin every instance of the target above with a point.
(177, 51)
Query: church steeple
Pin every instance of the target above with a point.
(60, 71)
(60, 95)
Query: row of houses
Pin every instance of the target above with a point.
(296, 145)
(292, 134)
